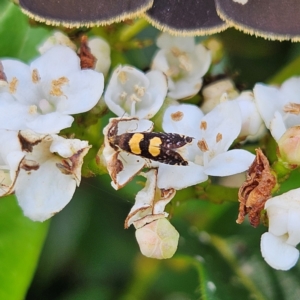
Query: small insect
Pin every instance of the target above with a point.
(157, 146)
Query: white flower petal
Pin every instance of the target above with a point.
(251, 119)
(278, 218)
(128, 125)
(19, 79)
(43, 193)
(185, 88)
(160, 61)
(277, 253)
(293, 229)
(11, 156)
(162, 200)
(277, 126)
(59, 61)
(58, 38)
(179, 177)
(167, 41)
(50, 123)
(133, 164)
(13, 115)
(225, 120)
(182, 119)
(291, 90)
(82, 92)
(67, 147)
(101, 50)
(229, 163)
(144, 200)
(146, 195)
(158, 90)
(268, 100)
(203, 58)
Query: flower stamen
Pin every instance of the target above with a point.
(13, 85)
(56, 86)
(203, 146)
(292, 108)
(122, 76)
(219, 137)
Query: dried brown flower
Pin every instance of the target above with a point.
(87, 59)
(256, 190)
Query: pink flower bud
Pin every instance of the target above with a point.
(289, 146)
(158, 239)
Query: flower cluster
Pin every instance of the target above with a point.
(193, 146)
(43, 167)
(279, 108)
(37, 101)
(198, 142)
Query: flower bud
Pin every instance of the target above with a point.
(158, 239)
(289, 146)
(213, 92)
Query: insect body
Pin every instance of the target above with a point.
(157, 146)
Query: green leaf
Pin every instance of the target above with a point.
(21, 241)
(18, 38)
(291, 69)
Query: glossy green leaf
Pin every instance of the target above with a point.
(21, 241)
(18, 38)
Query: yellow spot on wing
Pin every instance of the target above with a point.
(154, 146)
(134, 143)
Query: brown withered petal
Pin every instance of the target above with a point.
(72, 165)
(256, 190)
(2, 74)
(188, 17)
(70, 13)
(87, 59)
(274, 20)
(28, 140)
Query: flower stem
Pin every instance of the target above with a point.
(128, 32)
(216, 193)
(223, 248)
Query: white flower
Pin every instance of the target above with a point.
(132, 93)
(58, 38)
(98, 47)
(48, 173)
(213, 135)
(279, 107)
(183, 62)
(278, 246)
(42, 96)
(101, 50)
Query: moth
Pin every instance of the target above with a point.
(156, 146)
